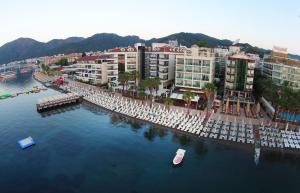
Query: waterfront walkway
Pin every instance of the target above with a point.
(215, 127)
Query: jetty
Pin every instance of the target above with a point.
(57, 101)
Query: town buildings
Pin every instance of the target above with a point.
(280, 68)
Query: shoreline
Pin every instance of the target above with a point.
(246, 146)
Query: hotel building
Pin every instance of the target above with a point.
(155, 61)
(221, 56)
(280, 68)
(239, 78)
(97, 69)
(195, 68)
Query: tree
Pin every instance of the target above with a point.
(124, 77)
(141, 92)
(202, 44)
(187, 97)
(151, 84)
(62, 62)
(156, 83)
(134, 76)
(168, 102)
(83, 54)
(209, 89)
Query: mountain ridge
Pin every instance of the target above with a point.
(24, 48)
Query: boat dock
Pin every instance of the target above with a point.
(57, 101)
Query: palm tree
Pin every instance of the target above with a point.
(156, 83)
(124, 77)
(187, 97)
(150, 84)
(168, 102)
(209, 89)
(134, 76)
(142, 94)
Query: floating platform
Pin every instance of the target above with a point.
(57, 101)
(27, 142)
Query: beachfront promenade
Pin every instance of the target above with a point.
(215, 127)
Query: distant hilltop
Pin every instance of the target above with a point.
(24, 48)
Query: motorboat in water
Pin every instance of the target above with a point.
(179, 157)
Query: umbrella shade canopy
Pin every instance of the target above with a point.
(248, 107)
(227, 103)
(258, 108)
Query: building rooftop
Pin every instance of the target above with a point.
(241, 56)
(88, 58)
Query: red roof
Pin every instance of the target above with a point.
(88, 58)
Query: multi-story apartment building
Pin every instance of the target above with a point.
(280, 68)
(221, 56)
(155, 61)
(239, 78)
(195, 68)
(161, 62)
(97, 69)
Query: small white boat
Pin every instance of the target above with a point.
(179, 156)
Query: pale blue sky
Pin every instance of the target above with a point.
(260, 22)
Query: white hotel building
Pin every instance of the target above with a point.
(280, 68)
(155, 61)
(195, 68)
(97, 69)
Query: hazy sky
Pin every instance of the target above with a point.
(260, 22)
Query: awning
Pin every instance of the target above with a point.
(179, 96)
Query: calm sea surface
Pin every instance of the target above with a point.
(85, 149)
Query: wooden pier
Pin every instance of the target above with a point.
(57, 101)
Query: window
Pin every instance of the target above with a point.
(188, 61)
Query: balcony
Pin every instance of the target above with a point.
(229, 87)
(179, 77)
(230, 80)
(179, 70)
(250, 68)
(231, 65)
(188, 77)
(163, 71)
(112, 68)
(112, 74)
(189, 70)
(165, 63)
(197, 78)
(250, 74)
(230, 73)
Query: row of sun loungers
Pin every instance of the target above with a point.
(218, 129)
(274, 137)
(212, 128)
